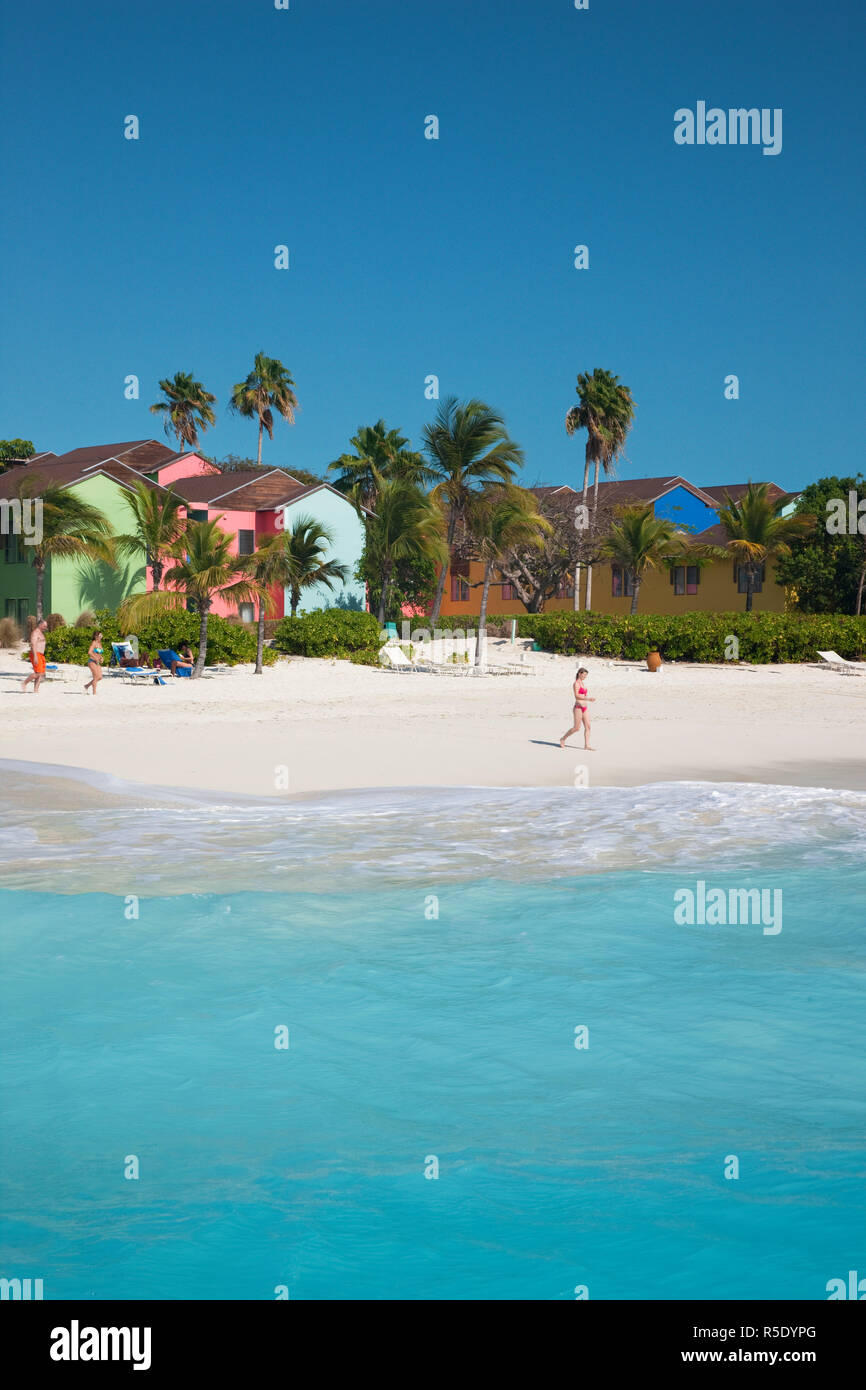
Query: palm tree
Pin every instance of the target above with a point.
(268, 388)
(70, 527)
(306, 549)
(640, 541)
(378, 451)
(204, 568)
(406, 525)
(500, 520)
(606, 412)
(272, 565)
(467, 445)
(187, 408)
(756, 532)
(157, 525)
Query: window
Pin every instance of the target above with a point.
(565, 588)
(459, 581)
(13, 547)
(247, 613)
(198, 515)
(508, 591)
(685, 579)
(622, 582)
(246, 542)
(742, 580)
(19, 610)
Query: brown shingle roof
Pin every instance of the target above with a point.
(213, 487)
(60, 474)
(735, 491)
(126, 452)
(267, 493)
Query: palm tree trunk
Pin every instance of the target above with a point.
(583, 503)
(383, 596)
(634, 597)
(588, 602)
(440, 585)
(481, 639)
(261, 430)
(750, 580)
(296, 598)
(40, 589)
(202, 644)
(260, 638)
(860, 588)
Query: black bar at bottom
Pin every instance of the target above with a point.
(157, 1339)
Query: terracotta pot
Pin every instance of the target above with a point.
(653, 660)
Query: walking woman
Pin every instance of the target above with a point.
(94, 662)
(581, 711)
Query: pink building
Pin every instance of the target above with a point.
(246, 505)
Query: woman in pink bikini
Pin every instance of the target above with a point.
(581, 712)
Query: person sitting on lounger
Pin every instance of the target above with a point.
(188, 660)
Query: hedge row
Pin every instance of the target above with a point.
(761, 637)
(331, 632)
(227, 642)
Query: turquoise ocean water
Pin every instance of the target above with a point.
(431, 955)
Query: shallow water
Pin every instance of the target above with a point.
(431, 955)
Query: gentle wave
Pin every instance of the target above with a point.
(72, 832)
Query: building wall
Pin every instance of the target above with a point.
(74, 583)
(18, 582)
(348, 530)
(685, 509)
(190, 466)
(717, 593)
(230, 522)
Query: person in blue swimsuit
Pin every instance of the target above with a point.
(94, 662)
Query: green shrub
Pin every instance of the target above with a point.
(227, 642)
(332, 632)
(762, 637)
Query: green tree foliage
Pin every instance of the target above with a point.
(187, 408)
(824, 569)
(71, 527)
(268, 387)
(12, 450)
(606, 412)
(203, 568)
(756, 532)
(157, 525)
(379, 453)
(640, 541)
(466, 445)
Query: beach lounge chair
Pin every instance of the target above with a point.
(397, 660)
(167, 656)
(140, 675)
(840, 663)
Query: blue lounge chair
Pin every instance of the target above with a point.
(168, 656)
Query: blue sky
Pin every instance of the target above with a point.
(455, 257)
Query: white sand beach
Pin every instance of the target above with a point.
(308, 726)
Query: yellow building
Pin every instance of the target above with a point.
(718, 587)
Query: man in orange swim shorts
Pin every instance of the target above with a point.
(37, 657)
